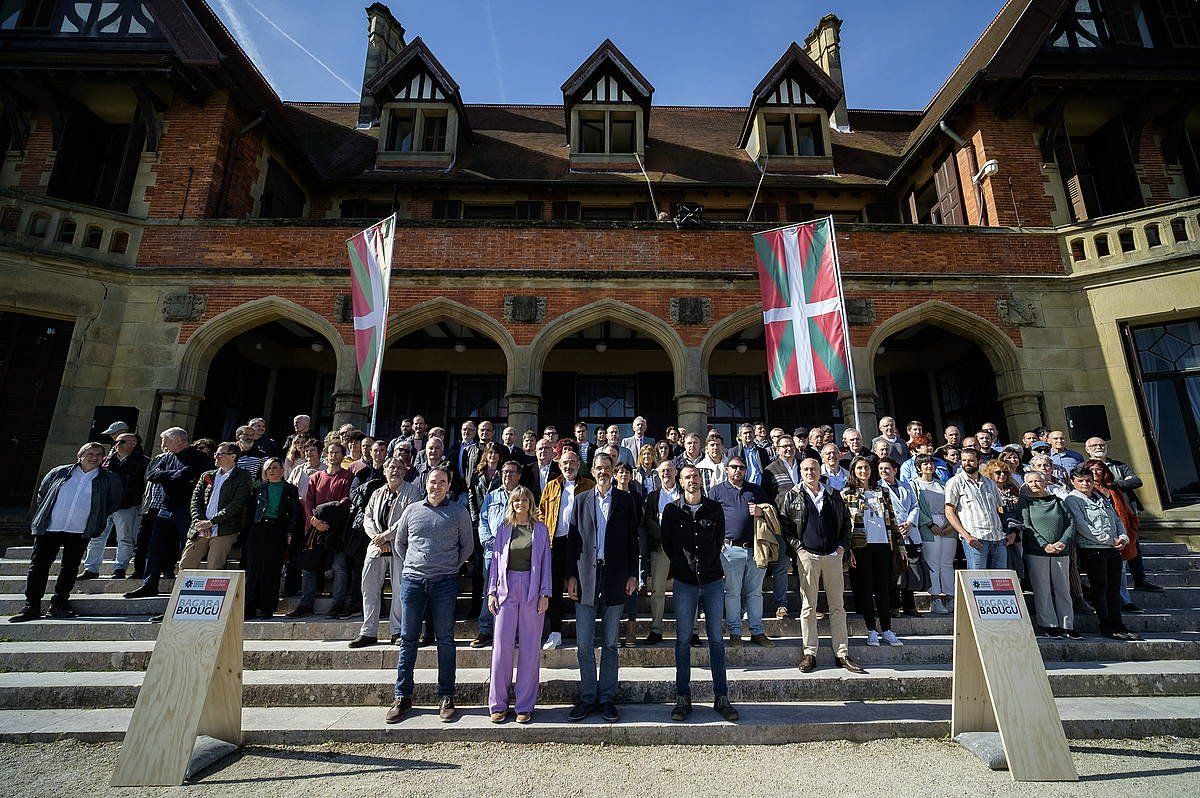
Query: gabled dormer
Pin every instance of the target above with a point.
(787, 124)
(421, 117)
(607, 106)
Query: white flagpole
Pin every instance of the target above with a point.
(837, 269)
(386, 271)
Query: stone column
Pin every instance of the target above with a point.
(693, 412)
(523, 412)
(1022, 411)
(176, 409)
(348, 409)
(866, 413)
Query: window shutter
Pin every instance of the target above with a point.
(949, 193)
(1079, 188)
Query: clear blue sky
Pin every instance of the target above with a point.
(895, 53)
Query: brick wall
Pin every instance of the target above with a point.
(599, 250)
(191, 158)
(39, 155)
(1012, 142)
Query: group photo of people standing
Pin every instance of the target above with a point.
(537, 538)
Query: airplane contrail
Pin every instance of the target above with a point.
(242, 33)
(306, 51)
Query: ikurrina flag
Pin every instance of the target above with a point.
(370, 270)
(802, 309)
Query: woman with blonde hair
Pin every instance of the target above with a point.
(644, 473)
(518, 595)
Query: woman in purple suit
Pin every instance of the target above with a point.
(518, 594)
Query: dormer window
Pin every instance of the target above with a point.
(606, 133)
(794, 134)
(416, 129)
(787, 123)
(607, 104)
(423, 118)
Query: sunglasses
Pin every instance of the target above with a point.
(736, 467)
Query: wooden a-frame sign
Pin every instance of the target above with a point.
(1000, 681)
(193, 685)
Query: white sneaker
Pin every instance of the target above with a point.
(890, 638)
(553, 641)
(872, 637)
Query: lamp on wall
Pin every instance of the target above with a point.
(741, 347)
(317, 346)
(601, 347)
(460, 347)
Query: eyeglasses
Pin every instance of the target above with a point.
(732, 467)
(222, 453)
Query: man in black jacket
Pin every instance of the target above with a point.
(693, 535)
(129, 462)
(818, 525)
(601, 575)
(177, 473)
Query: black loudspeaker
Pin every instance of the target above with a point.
(1087, 421)
(104, 415)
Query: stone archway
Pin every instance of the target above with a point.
(1020, 406)
(181, 407)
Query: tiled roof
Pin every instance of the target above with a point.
(529, 143)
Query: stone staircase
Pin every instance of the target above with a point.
(79, 678)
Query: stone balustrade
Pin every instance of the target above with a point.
(1147, 234)
(58, 227)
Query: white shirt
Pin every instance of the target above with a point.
(873, 518)
(214, 500)
(73, 504)
(666, 497)
(817, 496)
(603, 508)
(793, 470)
(566, 502)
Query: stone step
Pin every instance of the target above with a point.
(319, 627)
(125, 655)
(641, 724)
(374, 687)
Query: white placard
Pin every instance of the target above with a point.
(200, 599)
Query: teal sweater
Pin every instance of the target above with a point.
(1046, 520)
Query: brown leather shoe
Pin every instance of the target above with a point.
(808, 663)
(762, 640)
(447, 710)
(735, 641)
(402, 705)
(524, 717)
(498, 717)
(848, 664)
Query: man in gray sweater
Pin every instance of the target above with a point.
(433, 539)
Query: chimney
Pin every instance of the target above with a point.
(385, 38)
(824, 46)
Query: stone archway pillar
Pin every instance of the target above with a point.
(523, 411)
(176, 409)
(867, 418)
(1022, 411)
(693, 412)
(348, 409)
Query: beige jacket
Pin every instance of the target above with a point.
(766, 536)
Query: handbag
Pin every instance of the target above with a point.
(899, 560)
(916, 575)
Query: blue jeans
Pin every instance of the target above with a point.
(586, 616)
(712, 595)
(743, 590)
(486, 620)
(308, 588)
(439, 595)
(993, 556)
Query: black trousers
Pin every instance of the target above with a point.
(559, 605)
(291, 578)
(45, 551)
(1103, 569)
(871, 581)
(141, 546)
(263, 548)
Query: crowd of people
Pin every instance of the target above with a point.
(547, 527)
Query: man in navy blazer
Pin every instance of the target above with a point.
(601, 575)
(755, 458)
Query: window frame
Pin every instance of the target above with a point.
(607, 110)
(421, 113)
(798, 117)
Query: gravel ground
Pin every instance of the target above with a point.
(1166, 767)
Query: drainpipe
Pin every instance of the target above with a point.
(230, 158)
